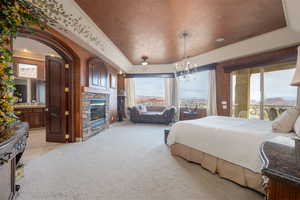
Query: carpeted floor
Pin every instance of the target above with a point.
(37, 145)
(126, 162)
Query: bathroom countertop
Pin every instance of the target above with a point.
(19, 106)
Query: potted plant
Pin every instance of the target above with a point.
(15, 16)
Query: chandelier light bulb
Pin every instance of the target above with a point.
(184, 63)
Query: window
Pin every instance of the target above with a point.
(277, 88)
(194, 90)
(278, 94)
(150, 91)
(263, 93)
(27, 70)
(255, 95)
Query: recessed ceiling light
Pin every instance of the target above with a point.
(220, 39)
(144, 63)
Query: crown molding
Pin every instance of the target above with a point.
(75, 24)
(278, 39)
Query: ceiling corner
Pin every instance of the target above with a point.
(75, 24)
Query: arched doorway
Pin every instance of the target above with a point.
(60, 84)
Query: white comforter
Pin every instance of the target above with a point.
(235, 140)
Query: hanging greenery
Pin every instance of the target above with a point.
(15, 15)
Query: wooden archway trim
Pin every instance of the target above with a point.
(71, 58)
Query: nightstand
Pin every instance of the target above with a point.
(281, 168)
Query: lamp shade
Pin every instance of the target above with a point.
(296, 78)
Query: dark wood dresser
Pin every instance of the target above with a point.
(281, 168)
(11, 152)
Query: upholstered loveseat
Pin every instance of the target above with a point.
(141, 115)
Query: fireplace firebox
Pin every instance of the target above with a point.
(97, 111)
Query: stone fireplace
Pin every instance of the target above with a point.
(95, 113)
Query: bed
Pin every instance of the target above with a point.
(224, 145)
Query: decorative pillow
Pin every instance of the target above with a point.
(285, 122)
(142, 108)
(297, 126)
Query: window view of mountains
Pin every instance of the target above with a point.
(150, 100)
(280, 101)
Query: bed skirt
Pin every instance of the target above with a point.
(224, 169)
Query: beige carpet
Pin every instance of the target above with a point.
(126, 162)
(37, 145)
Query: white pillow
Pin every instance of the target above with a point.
(142, 108)
(285, 122)
(297, 126)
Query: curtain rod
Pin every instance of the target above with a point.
(172, 75)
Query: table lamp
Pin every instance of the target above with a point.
(296, 78)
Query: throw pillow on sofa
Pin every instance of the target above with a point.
(142, 108)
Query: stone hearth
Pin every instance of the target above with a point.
(88, 127)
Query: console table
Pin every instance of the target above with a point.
(10, 153)
(281, 168)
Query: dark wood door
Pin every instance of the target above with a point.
(56, 122)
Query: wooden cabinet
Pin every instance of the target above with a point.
(97, 75)
(281, 167)
(281, 190)
(41, 72)
(34, 116)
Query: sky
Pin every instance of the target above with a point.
(276, 84)
(196, 86)
(150, 87)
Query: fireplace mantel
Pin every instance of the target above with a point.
(95, 90)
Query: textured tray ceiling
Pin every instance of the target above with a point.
(152, 27)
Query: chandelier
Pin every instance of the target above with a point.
(183, 67)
